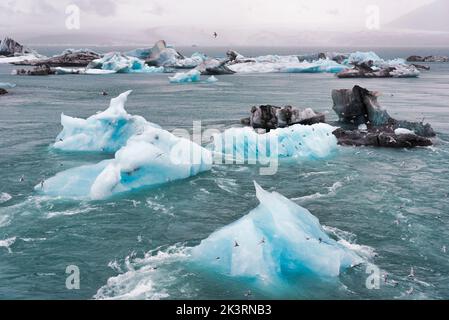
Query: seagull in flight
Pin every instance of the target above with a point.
(215, 35)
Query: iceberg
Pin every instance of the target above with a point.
(370, 65)
(146, 155)
(212, 79)
(297, 142)
(284, 64)
(278, 247)
(275, 242)
(63, 71)
(121, 63)
(107, 131)
(151, 158)
(186, 77)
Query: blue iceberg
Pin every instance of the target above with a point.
(107, 131)
(186, 77)
(120, 63)
(274, 243)
(146, 155)
(298, 142)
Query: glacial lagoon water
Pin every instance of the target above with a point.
(391, 206)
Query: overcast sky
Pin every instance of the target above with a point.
(35, 18)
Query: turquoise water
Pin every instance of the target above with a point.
(395, 202)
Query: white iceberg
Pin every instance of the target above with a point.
(285, 64)
(297, 142)
(273, 243)
(107, 131)
(121, 63)
(186, 77)
(195, 60)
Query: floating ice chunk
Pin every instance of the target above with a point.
(99, 71)
(22, 58)
(194, 61)
(72, 183)
(62, 71)
(4, 197)
(153, 158)
(147, 155)
(7, 243)
(363, 127)
(7, 85)
(150, 158)
(274, 242)
(400, 131)
(186, 77)
(121, 63)
(360, 57)
(107, 131)
(212, 79)
(404, 71)
(286, 64)
(296, 142)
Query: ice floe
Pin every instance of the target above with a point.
(298, 142)
(4, 197)
(147, 155)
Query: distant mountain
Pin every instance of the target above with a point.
(432, 17)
